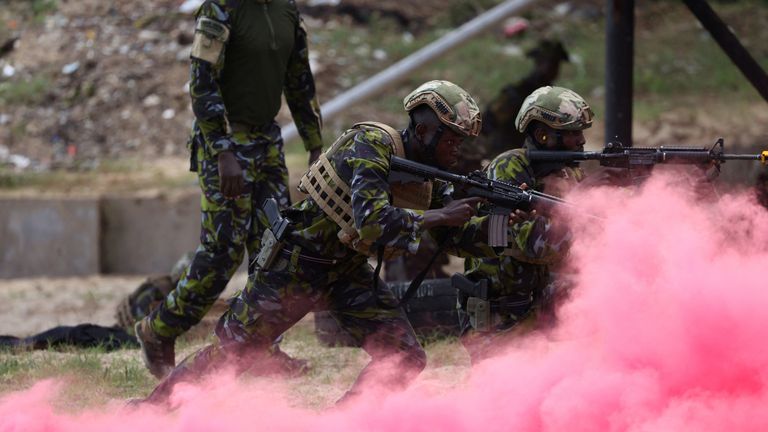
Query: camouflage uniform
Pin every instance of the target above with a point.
(519, 284)
(296, 284)
(520, 279)
(235, 98)
(497, 135)
(321, 267)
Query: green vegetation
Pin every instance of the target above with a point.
(41, 8)
(676, 61)
(24, 92)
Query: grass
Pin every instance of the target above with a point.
(24, 92)
(93, 377)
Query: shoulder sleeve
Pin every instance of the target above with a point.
(511, 166)
(212, 25)
(376, 220)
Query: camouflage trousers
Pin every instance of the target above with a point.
(229, 227)
(275, 300)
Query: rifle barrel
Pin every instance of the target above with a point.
(740, 157)
(562, 156)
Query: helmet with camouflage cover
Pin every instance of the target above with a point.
(452, 104)
(150, 294)
(557, 107)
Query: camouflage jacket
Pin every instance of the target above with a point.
(540, 243)
(265, 55)
(363, 163)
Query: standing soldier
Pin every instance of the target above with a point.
(245, 54)
(505, 291)
(351, 214)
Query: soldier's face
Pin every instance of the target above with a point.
(567, 140)
(447, 152)
(573, 140)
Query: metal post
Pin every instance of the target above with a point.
(619, 66)
(730, 44)
(402, 69)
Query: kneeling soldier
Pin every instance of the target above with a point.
(509, 290)
(319, 261)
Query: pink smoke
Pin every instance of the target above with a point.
(663, 332)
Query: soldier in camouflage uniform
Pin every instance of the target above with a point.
(552, 118)
(322, 262)
(497, 135)
(245, 54)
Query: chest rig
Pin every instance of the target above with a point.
(333, 194)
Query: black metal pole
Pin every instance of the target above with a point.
(619, 66)
(730, 44)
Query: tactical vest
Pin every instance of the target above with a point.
(332, 194)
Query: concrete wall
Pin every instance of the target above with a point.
(136, 234)
(147, 234)
(56, 237)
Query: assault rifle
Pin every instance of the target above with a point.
(503, 197)
(644, 158)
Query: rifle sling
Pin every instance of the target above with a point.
(416, 282)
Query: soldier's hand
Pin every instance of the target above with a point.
(518, 216)
(456, 213)
(230, 175)
(314, 155)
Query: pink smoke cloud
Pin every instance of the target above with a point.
(664, 330)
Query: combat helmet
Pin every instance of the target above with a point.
(453, 105)
(556, 107)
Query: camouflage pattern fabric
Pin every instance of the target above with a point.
(274, 300)
(261, 72)
(150, 294)
(557, 107)
(525, 275)
(143, 300)
(229, 227)
(218, 90)
(453, 105)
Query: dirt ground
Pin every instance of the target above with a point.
(32, 305)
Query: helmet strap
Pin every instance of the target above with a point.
(430, 148)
